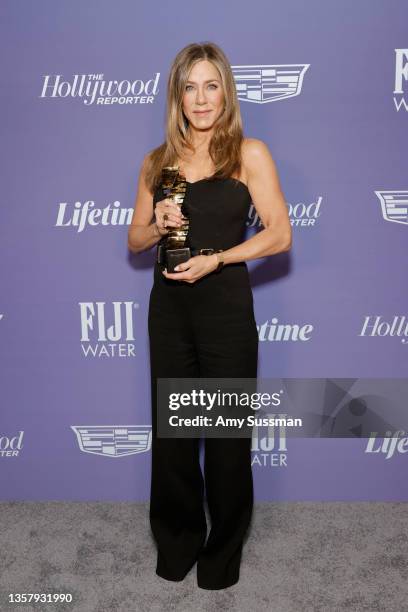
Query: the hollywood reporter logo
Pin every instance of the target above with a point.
(300, 214)
(376, 326)
(93, 88)
(107, 329)
(11, 446)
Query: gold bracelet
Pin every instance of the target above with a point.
(221, 262)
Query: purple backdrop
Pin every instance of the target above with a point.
(325, 85)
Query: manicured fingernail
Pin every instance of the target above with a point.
(176, 268)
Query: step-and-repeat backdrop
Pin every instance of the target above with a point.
(83, 94)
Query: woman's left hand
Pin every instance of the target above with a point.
(194, 268)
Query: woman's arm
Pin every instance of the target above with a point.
(268, 199)
(142, 234)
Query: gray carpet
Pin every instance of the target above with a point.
(298, 557)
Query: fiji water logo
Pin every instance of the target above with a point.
(113, 440)
(262, 83)
(394, 205)
(269, 444)
(107, 329)
(401, 78)
(95, 89)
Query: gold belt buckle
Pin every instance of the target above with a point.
(206, 251)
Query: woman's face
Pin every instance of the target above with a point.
(203, 92)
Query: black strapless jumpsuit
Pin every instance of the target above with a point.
(203, 329)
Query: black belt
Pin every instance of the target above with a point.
(195, 252)
(161, 253)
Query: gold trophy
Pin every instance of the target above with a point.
(171, 249)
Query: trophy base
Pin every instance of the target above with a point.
(170, 258)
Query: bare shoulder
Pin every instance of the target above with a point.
(259, 167)
(264, 188)
(143, 208)
(257, 160)
(254, 151)
(145, 167)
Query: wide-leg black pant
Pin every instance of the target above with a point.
(204, 329)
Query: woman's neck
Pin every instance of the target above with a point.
(200, 140)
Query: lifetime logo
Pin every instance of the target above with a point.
(84, 214)
(273, 331)
(389, 445)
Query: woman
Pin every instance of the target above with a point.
(201, 319)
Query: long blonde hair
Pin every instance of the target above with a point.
(225, 145)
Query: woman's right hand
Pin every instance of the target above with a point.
(174, 217)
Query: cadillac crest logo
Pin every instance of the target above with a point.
(113, 440)
(268, 82)
(394, 205)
